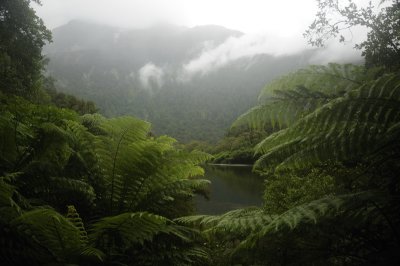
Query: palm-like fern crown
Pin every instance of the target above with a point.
(338, 112)
(346, 128)
(287, 99)
(103, 166)
(142, 173)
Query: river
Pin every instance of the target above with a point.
(232, 187)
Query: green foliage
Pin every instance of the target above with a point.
(22, 36)
(332, 79)
(237, 147)
(330, 159)
(127, 229)
(335, 230)
(50, 232)
(259, 223)
(237, 223)
(123, 181)
(63, 100)
(75, 219)
(293, 96)
(343, 129)
(287, 191)
(382, 47)
(141, 172)
(331, 175)
(224, 232)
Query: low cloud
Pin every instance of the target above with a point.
(334, 51)
(234, 48)
(337, 53)
(246, 46)
(150, 76)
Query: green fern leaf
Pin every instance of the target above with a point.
(346, 128)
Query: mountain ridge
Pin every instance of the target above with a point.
(139, 72)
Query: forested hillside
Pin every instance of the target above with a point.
(141, 72)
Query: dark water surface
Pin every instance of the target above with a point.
(232, 187)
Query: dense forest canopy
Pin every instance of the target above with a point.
(78, 188)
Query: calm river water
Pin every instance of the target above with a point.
(232, 187)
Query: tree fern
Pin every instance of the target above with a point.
(356, 205)
(135, 167)
(343, 129)
(87, 251)
(258, 232)
(283, 109)
(358, 124)
(285, 100)
(82, 159)
(50, 234)
(61, 191)
(239, 222)
(331, 220)
(105, 167)
(128, 229)
(158, 198)
(331, 79)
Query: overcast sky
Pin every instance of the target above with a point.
(249, 16)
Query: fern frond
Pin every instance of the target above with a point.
(6, 193)
(82, 143)
(73, 217)
(330, 79)
(126, 129)
(60, 191)
(357, 208)
(127, 229)
(239, 222)
(9, 207)
(286, 100)
(134, 168)
(180, 256)
(283, 109)
(14, 136)
(159, 196)
(8, 148)
(92, 254)
(53, 145)
(346, 128)
(50, 233)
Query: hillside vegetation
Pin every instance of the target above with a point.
(142, 72)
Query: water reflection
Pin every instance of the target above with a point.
(232, 187)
